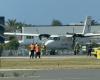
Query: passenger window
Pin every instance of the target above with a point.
(29, 37)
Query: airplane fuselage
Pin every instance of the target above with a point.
(61, 42)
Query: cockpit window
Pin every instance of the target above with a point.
(54, 38)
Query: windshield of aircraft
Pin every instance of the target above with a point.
(54, 38)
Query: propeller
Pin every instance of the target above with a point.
(44, 35)
(74, 36)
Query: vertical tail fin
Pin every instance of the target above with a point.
(87, 25)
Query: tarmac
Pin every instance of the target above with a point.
(57, 74)
(51, 57)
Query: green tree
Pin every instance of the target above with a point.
(1, 49)
(56, 23)
(12, 46)
(20, 25)
(12, 25)
(13, 43)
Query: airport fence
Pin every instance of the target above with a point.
(19, 52)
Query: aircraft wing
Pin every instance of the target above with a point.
(28, 34)
(61, 35)
(21, 34)
(69, 35)
(91, 35)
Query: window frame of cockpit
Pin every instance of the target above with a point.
(54, 38)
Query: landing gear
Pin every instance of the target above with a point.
(52, 52)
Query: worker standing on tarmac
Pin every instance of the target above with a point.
(37, 51)
(32, 48)
(77, 49)
(43, 50)
(89, 51)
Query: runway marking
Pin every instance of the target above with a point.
(21, 77)
(52, 57)
(18, 69)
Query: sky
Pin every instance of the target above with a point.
(43, 12)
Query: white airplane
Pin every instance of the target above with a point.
(63, 41)
(66, 41)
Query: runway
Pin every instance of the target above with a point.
(50, 74)
(62, 74)
(50, 57)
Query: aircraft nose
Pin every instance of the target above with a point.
(49, 43)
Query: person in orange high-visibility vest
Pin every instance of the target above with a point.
(37, 50)
(32, 48)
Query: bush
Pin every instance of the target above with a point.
(1, 49)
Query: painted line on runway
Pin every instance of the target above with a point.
(18, 69)
(20, 77)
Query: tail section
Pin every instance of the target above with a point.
(87, 25)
